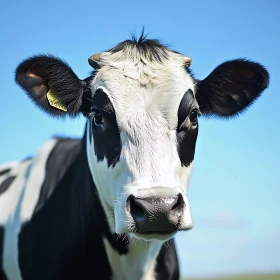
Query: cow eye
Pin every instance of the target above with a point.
(193, 116)
(97, 117)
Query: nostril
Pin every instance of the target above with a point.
(178, 206)
(136, 210)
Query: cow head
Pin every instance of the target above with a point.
(142, 106)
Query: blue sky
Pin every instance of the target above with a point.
(234, 192)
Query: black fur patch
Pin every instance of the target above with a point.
(185, 107)
(61, 157)
(4, 171)
(107, 141)
(6, 183)
(186, 136)
(87, 95)
(119, 242)
(231, 88)
(90, 131)
(167, 267)
(2, 274)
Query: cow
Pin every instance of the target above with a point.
(109, 205)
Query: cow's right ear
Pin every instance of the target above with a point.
(52, 85)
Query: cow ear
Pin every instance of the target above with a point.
(231, 88)
(51, 84)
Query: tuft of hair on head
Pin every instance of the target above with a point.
(150, 49)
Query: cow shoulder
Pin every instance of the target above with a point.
(60, 159)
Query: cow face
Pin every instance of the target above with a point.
(142, 116)
(142, 107)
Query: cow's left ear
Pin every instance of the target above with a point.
(52, 85)
(231, 88)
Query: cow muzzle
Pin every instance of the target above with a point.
(160, 214)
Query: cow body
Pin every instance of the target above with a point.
(108, 206)
(46, 219)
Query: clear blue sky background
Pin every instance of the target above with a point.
(234, 191)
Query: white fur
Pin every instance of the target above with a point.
(140, 260)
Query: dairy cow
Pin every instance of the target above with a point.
(107, 206)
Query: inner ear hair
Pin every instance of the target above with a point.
(43, 74)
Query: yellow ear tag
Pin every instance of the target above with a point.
(54, 101)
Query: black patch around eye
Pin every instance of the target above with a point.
(185, 107)
(107, 141)
(186, 140)
(186, 137)
(102, 102)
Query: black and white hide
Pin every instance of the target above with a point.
(107, 206)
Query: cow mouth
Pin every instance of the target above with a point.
(154, 235)
(162, 235)
(160, 232)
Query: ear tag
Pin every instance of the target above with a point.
(54, 101)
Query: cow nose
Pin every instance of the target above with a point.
(156, 214)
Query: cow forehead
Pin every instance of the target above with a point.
(143, 68)
(138, 85)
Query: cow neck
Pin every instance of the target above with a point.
(140, 261)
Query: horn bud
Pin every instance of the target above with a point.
(94, 60)
(188, 60)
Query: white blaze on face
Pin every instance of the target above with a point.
(146, 97)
